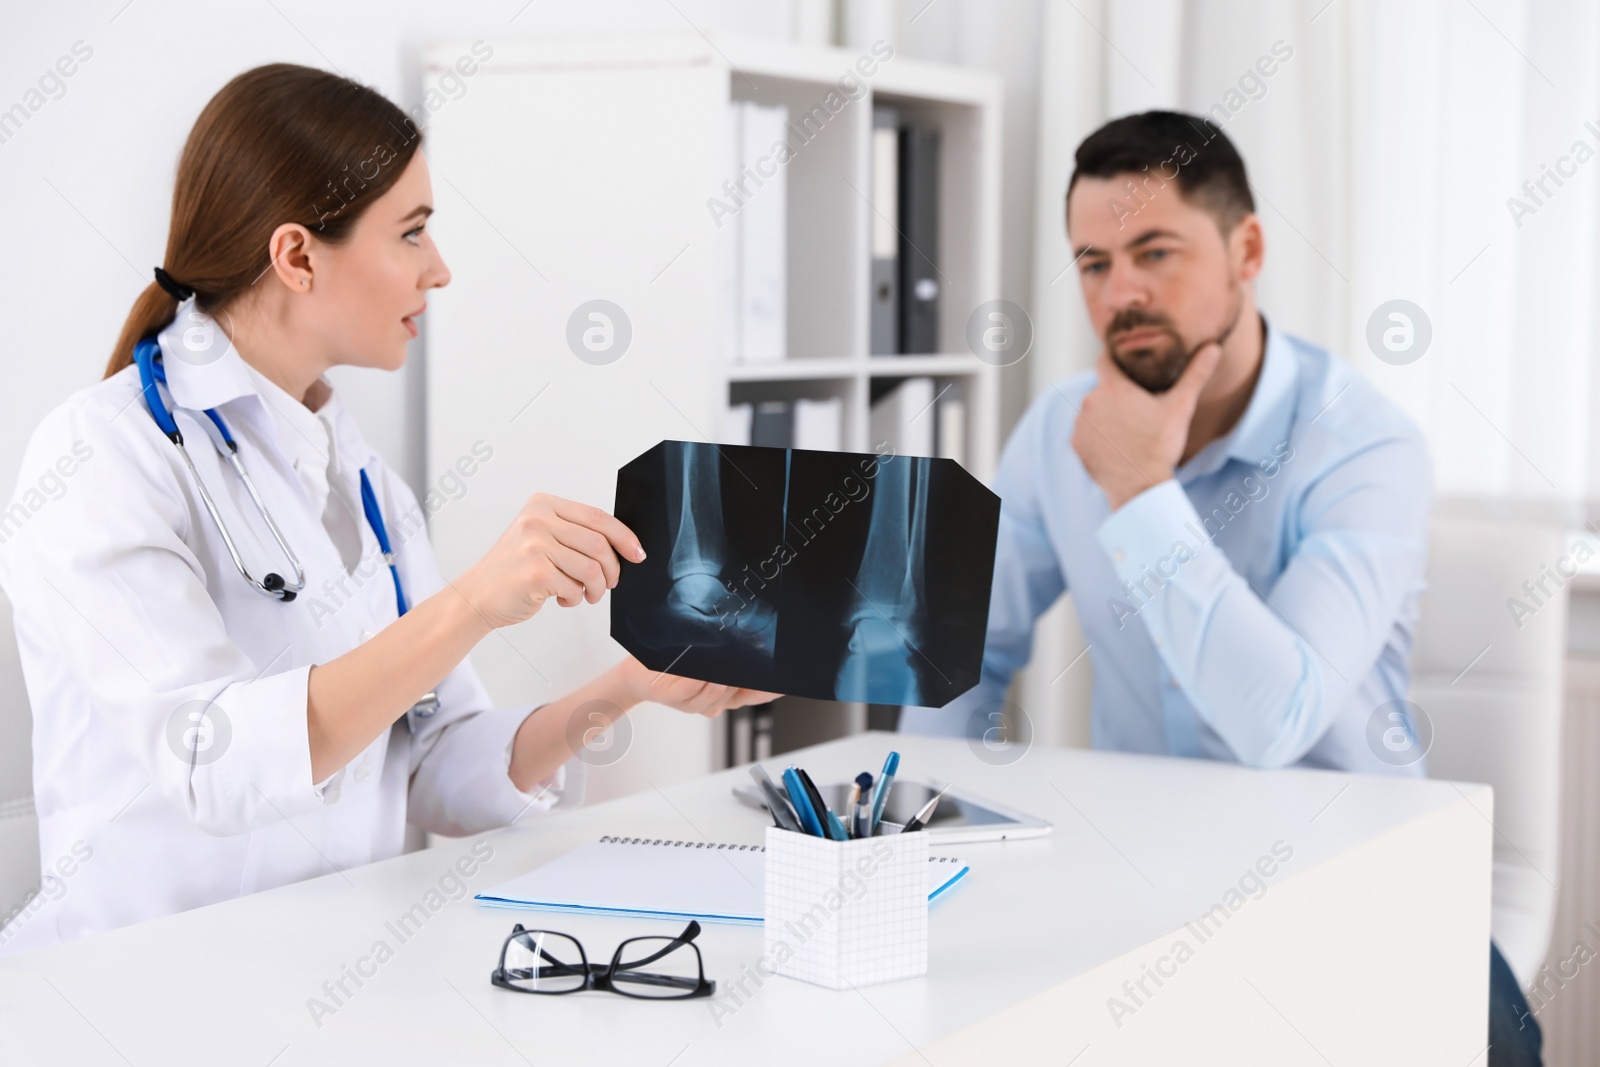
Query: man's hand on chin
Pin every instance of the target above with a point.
(1131, 440)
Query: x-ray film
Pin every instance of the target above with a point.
(832, 575)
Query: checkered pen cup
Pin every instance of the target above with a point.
(846, 913)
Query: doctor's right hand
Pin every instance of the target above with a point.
(553, 548)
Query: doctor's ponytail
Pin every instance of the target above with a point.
(279, 143)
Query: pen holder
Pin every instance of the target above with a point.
(846, 913)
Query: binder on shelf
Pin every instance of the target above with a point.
(904, 417)
(773, 424)
(950, 428)
(662, 879)
(920, 282)
(763, 237)
(748, 734)
(819, 424)
(761, 730)
(885, 278)
(742, 727)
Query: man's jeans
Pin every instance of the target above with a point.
(1514, 1038)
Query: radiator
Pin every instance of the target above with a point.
(1570, 1012)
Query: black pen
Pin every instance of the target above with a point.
(920, 819)
(817, 803)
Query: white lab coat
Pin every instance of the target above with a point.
(130, 617)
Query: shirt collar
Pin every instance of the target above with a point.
(203, 368)
(302, 433)
(1267, 418)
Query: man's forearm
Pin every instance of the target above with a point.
(1268, 676)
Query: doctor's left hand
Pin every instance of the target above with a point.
(552, 733)
(685, 694)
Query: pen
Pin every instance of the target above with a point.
(920, 819)
(825, 818)
(861, 825)
(782, 814)
(881, 797)
(836, 829)
(854, 809)
(809, 821)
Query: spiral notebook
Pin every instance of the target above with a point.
(664, 880)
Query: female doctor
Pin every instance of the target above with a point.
(200, 731)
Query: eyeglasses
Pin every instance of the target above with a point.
(676, 969)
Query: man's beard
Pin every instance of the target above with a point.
(1157, 365)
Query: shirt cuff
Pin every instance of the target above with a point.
(265, 770)
(496, 731)
(462, 785)
(548, 790)
(1153, 535)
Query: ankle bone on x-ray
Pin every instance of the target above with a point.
(699, 555)
(889, 583)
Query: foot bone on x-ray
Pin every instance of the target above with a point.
(707, 611)
(889, 587)
(832, 576)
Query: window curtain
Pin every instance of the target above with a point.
(1441, 154)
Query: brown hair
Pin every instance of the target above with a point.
(280, 143)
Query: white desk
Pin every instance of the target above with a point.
(1369, 945)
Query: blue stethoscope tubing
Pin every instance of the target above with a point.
(147, 355)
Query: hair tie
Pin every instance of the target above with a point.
(175, 288)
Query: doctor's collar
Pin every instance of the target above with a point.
(203, 368)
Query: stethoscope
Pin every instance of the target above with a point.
(147, 356)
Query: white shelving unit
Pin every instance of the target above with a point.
(580, 168)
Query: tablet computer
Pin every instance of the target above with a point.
(960, 816)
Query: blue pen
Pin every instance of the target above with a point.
(881, 796)
(836, 828)
(802, 803)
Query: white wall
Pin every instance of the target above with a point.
(89, 174)
(88, 177)
(87, 180)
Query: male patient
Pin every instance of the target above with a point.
(1241, 518)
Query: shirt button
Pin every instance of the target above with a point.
(1116, 554)
(1157, 641)
(366, 635)
(1172, 683)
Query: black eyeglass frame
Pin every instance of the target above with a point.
(603, 977)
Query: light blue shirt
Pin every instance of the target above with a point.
(1258, 608)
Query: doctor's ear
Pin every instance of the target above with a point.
(290, 248)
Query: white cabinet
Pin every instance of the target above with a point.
(582, 169)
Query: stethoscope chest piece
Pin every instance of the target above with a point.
(151, 376)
